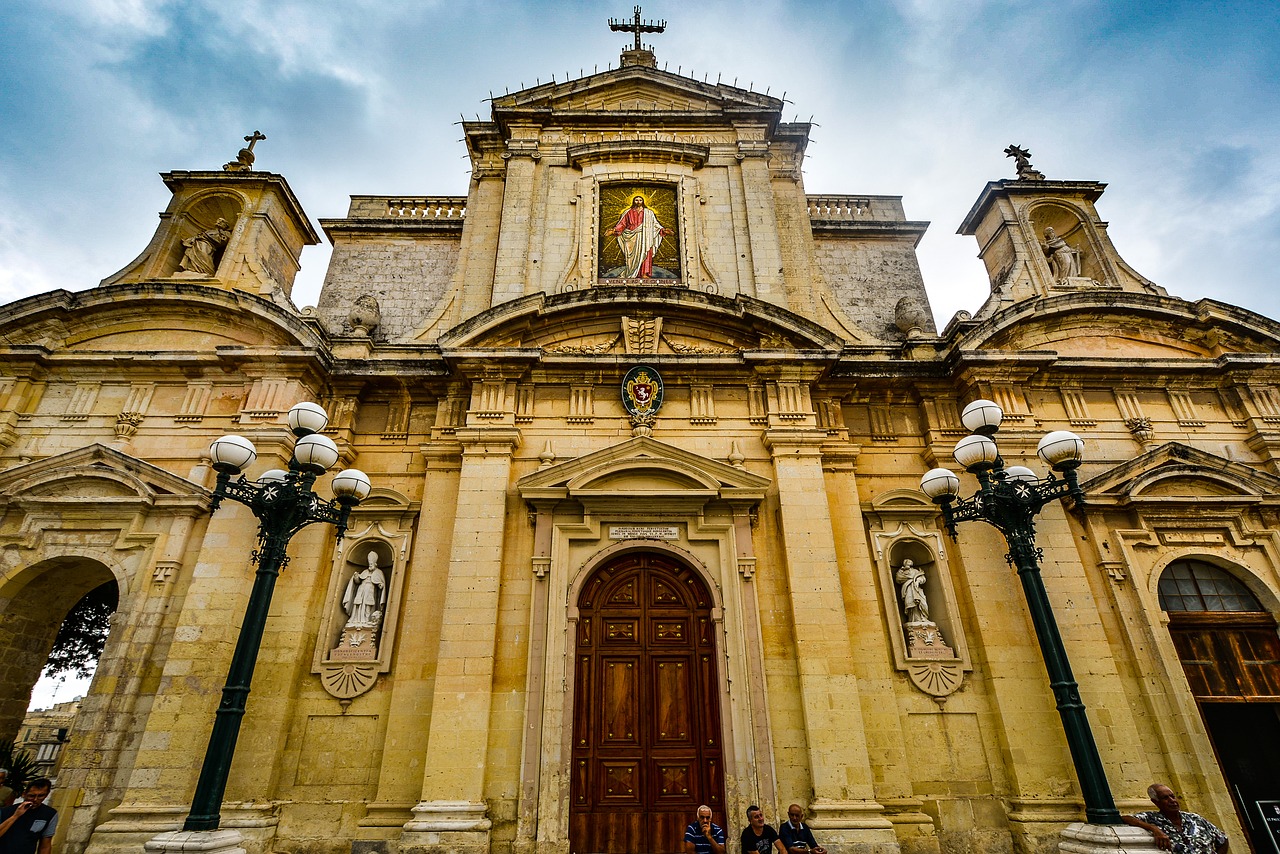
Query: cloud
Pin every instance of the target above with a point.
(1175, 107)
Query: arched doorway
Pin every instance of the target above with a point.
(646, 724)
(34, 603)
(1230, 651)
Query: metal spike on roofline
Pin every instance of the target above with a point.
(717, 78)
(735, 82)
(766, 89)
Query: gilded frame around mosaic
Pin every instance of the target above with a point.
(639, 234)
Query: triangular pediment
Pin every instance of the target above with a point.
(634, 89)
(643, 467)
(1175, 473)
(97, 473)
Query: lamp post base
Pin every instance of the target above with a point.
(220, 841)
(1081, 838)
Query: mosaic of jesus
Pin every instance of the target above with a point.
(638, 236)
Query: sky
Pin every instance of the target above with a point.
(1175, 105)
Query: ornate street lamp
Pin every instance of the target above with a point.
(284, 504)
(1009, 498)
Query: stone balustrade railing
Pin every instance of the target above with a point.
(435, 207)
(402, 207)
(855, 208)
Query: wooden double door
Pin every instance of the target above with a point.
(646, 725)
(1232, 662)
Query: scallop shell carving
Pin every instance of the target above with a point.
(936, 678)
(352, 679)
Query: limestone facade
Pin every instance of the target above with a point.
(471, 358)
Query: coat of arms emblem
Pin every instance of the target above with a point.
(642, 391)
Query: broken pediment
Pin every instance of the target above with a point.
(634, 321)
(1124, 326)
(148, 318)
(1175, 472)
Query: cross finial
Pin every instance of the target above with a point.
(244, 159)
(636, 26)
(1022, 159)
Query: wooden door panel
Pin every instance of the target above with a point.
(1258, 651)
(619, 703)
(672, 703)
(646, 718)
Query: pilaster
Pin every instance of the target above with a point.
(451, 815)
(844, 805)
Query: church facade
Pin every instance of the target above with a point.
(645, 421)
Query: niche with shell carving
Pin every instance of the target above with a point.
(1067, 246)
(357, 628)
(201, 233)
(919, 600)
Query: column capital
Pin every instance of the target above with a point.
(497, 440)
(794, 442)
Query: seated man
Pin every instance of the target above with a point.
(703, 836)
(1175, 830)
(758, 837)
(796, 835)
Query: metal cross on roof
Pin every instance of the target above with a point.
(637, 26)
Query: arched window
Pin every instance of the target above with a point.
(1194, 585)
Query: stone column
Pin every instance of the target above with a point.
(844, 807)
(452, 813)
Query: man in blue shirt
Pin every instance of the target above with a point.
(704, 836)
(28, 826)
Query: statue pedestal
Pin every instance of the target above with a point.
(1081, 838)
(358, 643)
(221, 841)
(924, 640)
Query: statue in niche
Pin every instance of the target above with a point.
(364, 601)
(1064, 260)
(924, 638)
(366, 595)
(911, 578)
(204, 250)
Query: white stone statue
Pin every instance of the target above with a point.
(365, 596)
(911, 578)
(1064, 261)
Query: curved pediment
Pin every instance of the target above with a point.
(1175, 473)
(148, 318)
(639, 320)
(1125, 326)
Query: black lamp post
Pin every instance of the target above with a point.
(1009, 498)
(284, 504)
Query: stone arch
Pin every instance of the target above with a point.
(1261, 591)
(612, 552)
(34, 602)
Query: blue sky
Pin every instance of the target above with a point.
(1174, 105)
